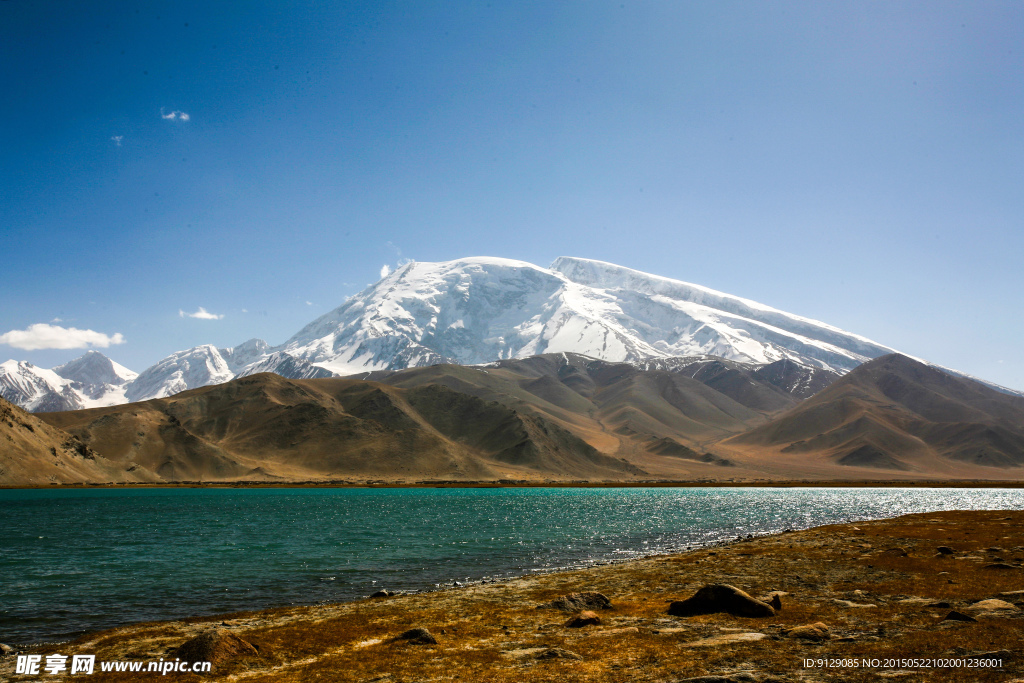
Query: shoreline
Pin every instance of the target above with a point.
(877, 585)
(449, 484)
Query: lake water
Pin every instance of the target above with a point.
(80, 560)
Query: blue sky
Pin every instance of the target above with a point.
(857, 163)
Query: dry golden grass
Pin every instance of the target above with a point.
(492, 632)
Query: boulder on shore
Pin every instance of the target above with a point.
(721, 597)
(215, 646)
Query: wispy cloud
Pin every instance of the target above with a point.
(385, 270)
(174, 115)
(44, 336)
(117, 139)
(202, 314)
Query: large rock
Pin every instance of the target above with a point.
(215, 646)
(577, 602)
(721, 597)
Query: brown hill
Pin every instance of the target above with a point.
(556, 416)
(34, 453)
(663, 417)
(565, 417)
(895, 414)
(267, 427)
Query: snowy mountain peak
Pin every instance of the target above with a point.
(245, 354)
(475, 310)
(93, 368)
(195, 367)
(90, 381)
(471, 311)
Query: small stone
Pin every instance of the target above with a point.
(958, 616)
(992, 608)
(585, 618)
(559, 653)
(999, 565)
(419, 636)
(944, 550)
(895, 552)
(817, 632)
(849, 603)
(616, 631)
(382, 593)
(941, 604)
(726, 639)
(6, 650)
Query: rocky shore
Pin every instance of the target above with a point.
(926, 597)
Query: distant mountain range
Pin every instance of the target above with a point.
(471, 311)
(483, 369)
(552, 417)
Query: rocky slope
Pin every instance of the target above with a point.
(34, 453)
(267, 427)
(900, 415)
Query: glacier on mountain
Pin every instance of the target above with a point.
(476, 310)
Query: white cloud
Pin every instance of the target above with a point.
(179, 115)
(309, 303)
(385, 270)
(117, 139)
(44, 336)
(202, 314)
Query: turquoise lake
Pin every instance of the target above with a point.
(80, 560)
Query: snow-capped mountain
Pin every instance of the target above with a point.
(280, 363)
(477, 310)
(196, 367)
(91, 381)
(204, 365)
(473, 311)
(95, 376)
